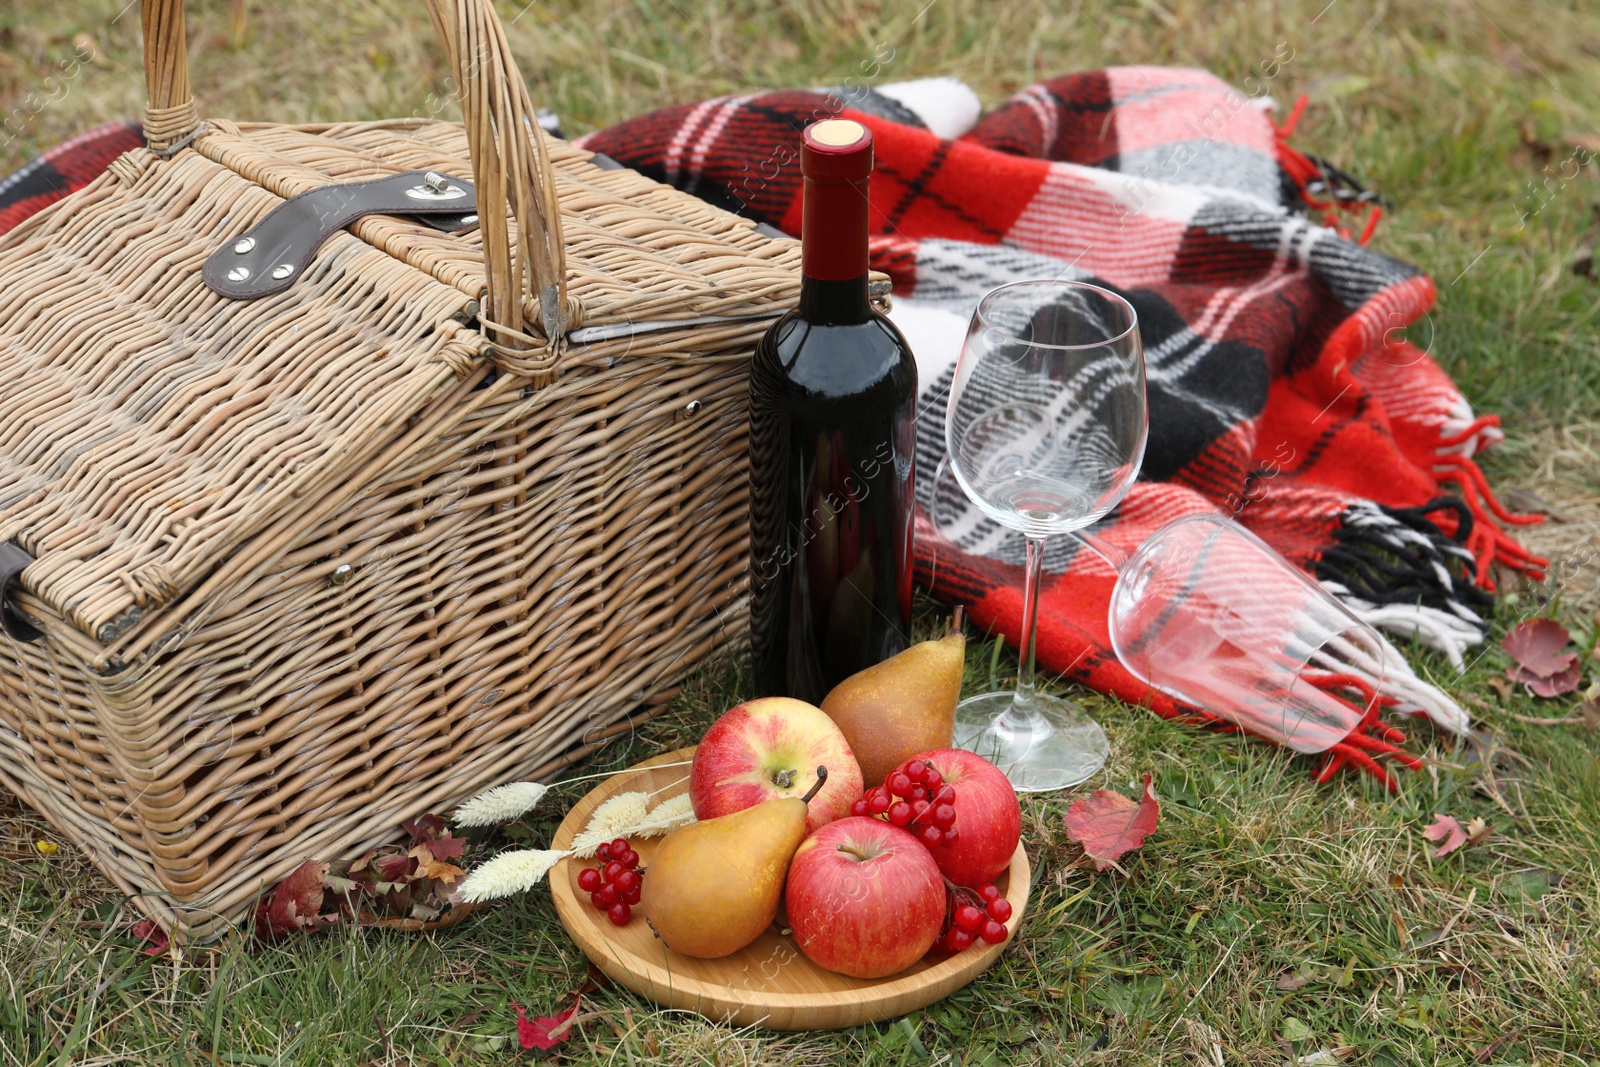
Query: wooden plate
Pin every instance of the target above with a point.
(768, 982)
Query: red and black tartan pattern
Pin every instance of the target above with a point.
(1281, 385)
(63, 170)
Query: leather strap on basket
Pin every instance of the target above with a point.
(271, 255)
(511, 168)
(12, 560)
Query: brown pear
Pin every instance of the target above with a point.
(713, 886)
(902, 706)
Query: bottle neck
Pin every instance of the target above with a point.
(830, 302)
(833, 251)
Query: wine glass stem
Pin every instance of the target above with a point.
(1022, 715)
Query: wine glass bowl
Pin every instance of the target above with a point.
(1045, 432)
(1207, 612)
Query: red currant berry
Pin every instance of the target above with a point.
(859, 808)
(950, 836)
(632, 897)
(918, 792)
(960, 940)
(993, 932)
(899, 784)
(944, 816)
(969, 918)
(899, 813)
(619, 914)
(988, 893)
(589, 879)
(628, 881)
(916, 770)
(919, 809)
(931, 836)
(944, 794)
(609, 893)
(599, 901)
(1000, 909)
(612, 869)
(630, 861)
(933, 779)
(878, 804)
(618, 847)
(604, 853)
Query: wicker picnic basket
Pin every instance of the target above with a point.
(449, 511)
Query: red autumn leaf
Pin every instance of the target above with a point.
(155, 938)
(1538, 647)
(396, 868)
(1109, 825)
(446, 848)
(1445, 828)
(426, 828)
(294, 904)
(548, 1032)
(1554, 685)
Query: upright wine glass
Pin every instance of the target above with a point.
(1045, 433)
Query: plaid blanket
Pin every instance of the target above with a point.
(1282, 385)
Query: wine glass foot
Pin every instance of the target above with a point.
(1063, 747)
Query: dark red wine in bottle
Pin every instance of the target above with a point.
(832, 437)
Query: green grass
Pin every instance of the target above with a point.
(1255, 874)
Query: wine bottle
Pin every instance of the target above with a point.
(833, 390)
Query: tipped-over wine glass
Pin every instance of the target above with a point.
(1045, 433)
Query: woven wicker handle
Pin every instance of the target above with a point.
(510, 166)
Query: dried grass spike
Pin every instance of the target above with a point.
(508, 873)
(500, 804)
(615, 818)
(666, 817)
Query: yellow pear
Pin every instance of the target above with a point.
(902, 706)
(713, 886)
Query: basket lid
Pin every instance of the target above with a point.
(151, 427)
(154, 430)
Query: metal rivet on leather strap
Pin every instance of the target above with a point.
(244, 245)
(239, 274)
(282, 271)
(435, 181)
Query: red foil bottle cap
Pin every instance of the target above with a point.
(836, 150)
(836, 160)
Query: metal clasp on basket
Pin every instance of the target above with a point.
(434, 187)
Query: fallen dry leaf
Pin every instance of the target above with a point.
(1538, 646)
(294, 904)
(1109, 825)
(1553, 686)
(1446, 829)
(1589, 711)
(548, 1032)
(155, 942)
(1289, 981)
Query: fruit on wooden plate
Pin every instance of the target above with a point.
(714, 885)
(971, 916)
(617, 885)
(988, 819)
(864, 898)
(904, 705)
(768, 749)
(915, 798)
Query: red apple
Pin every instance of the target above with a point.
(988, 817)
(768, 749)
(864, 898)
